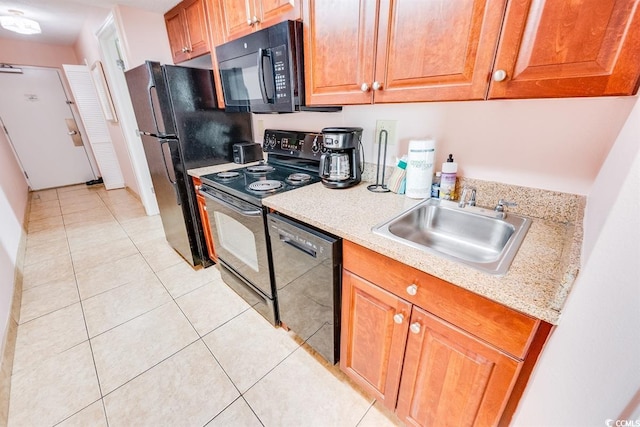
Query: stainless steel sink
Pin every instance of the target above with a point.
(481, 238)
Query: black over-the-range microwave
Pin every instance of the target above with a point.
(263, 72)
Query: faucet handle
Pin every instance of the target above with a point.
(462, 202)
(502, 203)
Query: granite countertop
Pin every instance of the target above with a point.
(540, 276)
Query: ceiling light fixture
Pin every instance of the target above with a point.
(19, 24)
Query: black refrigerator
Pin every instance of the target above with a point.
(181, 129)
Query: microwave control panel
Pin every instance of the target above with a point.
(280, 74)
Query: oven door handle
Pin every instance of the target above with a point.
(237, 209)
(298, 246)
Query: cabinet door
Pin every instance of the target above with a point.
(272, 12)
(177, 38)
(450, 377)
(235, 16)
(436, 50)
(339, 50)
(196, 28)
(374, 332)
(564, 48)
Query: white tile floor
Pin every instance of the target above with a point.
(117, 330)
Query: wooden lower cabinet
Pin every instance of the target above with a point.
(432, 371)
(451, 378)
(372, 343)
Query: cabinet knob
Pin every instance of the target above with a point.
(254, 20)
(184, 50)
(204, 208)
(412, 289)
(364, 87)
(415, 328)
(376, 86)
(499, 75)
(398, 318)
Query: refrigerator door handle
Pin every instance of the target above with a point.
(173, 181)
(152, 102)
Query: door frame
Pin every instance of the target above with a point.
(107, 35)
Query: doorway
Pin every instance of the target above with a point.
(115, 64)
(37, 118)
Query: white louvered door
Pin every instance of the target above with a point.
(95, 124)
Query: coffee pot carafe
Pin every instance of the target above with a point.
(340, 163)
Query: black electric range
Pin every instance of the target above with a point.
(237, 218)
(293, 162)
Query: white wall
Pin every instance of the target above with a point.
(554, 144)
(13, 204)
(144, 36)
(590, 369)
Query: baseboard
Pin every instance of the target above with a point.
(10, 334)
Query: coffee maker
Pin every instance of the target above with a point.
(340, 163)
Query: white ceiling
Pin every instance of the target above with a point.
(61, 20)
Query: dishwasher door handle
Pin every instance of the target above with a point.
(298, 246)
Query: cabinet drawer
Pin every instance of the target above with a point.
(492, 322)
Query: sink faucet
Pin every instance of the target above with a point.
(463, 198)
(501, 205)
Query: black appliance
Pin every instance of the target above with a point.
(182, 128)
(247, 152)
(263, 72)
(238, 218)
(341, 163)
(307, 265)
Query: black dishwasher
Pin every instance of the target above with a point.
(307, 266)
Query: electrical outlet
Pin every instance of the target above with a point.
(390, 127)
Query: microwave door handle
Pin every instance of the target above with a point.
(262, 53)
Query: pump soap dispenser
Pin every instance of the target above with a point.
(448, 179)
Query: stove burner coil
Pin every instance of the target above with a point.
(260, 169)
(265, 185)
(298, 178)
(228, 175)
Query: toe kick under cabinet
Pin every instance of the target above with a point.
(435, 353)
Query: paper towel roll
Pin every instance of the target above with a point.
(420, 168)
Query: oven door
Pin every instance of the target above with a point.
(238, 232)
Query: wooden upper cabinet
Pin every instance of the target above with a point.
(435, 50)
(187, 30)
(339, 50)
(451, 378)
(241, 17)
(177, 35)
(561, 49)
(364, 51)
